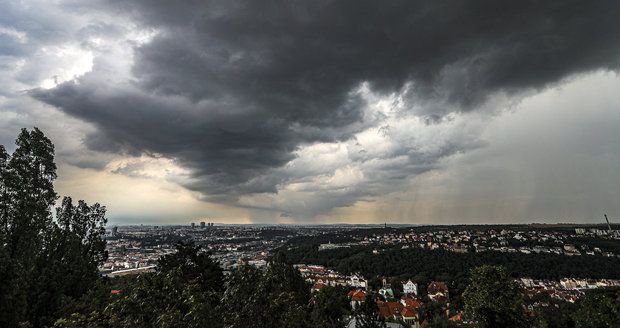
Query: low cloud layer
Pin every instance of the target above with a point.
(300, 107)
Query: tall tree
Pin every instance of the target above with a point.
(67, 267)
(493, 299)
(42, 263)
(28, 195)
(4, 196)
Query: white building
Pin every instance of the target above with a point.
(357, 281)
(410, 287)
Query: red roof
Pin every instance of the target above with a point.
(412, 303)
(358, 296)
(457, 317)
(115, 291)
(408, 312)
(384, 311)
(388, 309)
(318, 285)
(436, 287)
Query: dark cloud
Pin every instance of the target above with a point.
(301, 58)
(230, 89)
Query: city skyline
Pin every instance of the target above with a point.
(322, 112)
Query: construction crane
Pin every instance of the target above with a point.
(608, 225)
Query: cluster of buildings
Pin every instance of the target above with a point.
(402, 310)
(134, 249)
(561, 242)
(319, 277)
(567, 289)
(405, 310)
(130, 257)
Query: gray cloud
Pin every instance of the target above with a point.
(231, 89)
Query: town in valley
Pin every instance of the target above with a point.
(403, 293)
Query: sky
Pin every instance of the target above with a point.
(421, 112)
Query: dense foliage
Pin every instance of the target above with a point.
(394, 261)
(45, 264)
(423, 265)
(189, 290)
(493, 299)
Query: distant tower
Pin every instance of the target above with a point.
(115, 231)
(193, 225)
(202, 225)
(608, 225)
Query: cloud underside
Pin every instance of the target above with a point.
(325, 102)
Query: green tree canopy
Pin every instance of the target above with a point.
(330, 307)
(493, 299)
(598, 309)
(366, 315)
(185, 291)
(43, 262)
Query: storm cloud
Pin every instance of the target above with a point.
(238, 92)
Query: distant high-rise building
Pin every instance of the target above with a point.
(202, 224)
(193, 225)
(115, 231)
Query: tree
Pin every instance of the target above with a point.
(246, 294)
(278, 297)
(195, 266)
(598, 309)
(27, 195)
(493, 299)
(67, 267)
(43, 263)
(183, 292)
(431, 311)
(442, 322)
(397, 287)
(367, 314)
(330, 307)
(375, 283)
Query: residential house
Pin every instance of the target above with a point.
(437, 291)
(410, 287)
(356, 298)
